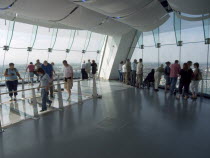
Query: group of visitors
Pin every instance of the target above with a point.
(132, 74)
(44, 73)
(87, 68)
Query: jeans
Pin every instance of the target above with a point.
(133, 78)
(186, 88)
(12, 86)
(31, 74)
(45, 99)
(120, 75)
(173, 84)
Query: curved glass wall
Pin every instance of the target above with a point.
(193, 48)
(65, 44)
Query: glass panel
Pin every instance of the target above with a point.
(177, 28)
(43, 38)
(169, 53)
(79, 41)
(206, 28)
(194, 34)
(22, 35)
(156, 36)
(18, 57)
(62, 39)
(3, 31)
(150, 59)
(148, 39)
(96, 42)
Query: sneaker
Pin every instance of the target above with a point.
(43, 110)
(15, 99)
(11, 99)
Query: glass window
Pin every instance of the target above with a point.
(21, 35)
(43, 38)
(80, 41)
(62, 40)
(169, 53)
(192, 34)
(4, 25)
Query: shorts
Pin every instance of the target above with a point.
(68, 84)
(168, 80)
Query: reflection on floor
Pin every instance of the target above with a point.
(125, 123)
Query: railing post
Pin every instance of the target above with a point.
(1, 129)
(34, 102)
(23, 87)
(95, 94)
(202, 93)
(60, 98)
(0, 96)
(79, 93)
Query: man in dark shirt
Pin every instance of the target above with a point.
(49, 70)
(94, 67)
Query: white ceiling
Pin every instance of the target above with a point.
(102, 16)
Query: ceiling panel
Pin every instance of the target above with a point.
(114, 7)
(191, 6)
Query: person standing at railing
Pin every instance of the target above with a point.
(45, 83)
(124, 71)
(12, 75)
(88, 68)
(133, 72)
(37, 66)
(31, 68)
(197, 76)
(167, 75)
(68, 77)
(158, 73)
(139, 73)
(94, 68)
(120, 71)
(83, 71)
(184, 82)
(174, 72)
(128, 73)
(49, 70)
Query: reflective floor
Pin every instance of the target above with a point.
(125, 123)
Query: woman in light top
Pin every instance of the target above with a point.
(197, 76)
(158, 73)
(12, 75)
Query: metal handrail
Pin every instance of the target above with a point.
(23, 90)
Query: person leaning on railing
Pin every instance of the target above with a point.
(45, 81)
(12, 75)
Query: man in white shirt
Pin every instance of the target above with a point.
(88, 68)
(133, 72)
(139, 73)
(124, 71)
(83, 71)
(68, 77)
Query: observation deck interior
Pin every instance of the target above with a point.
(126, 122)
